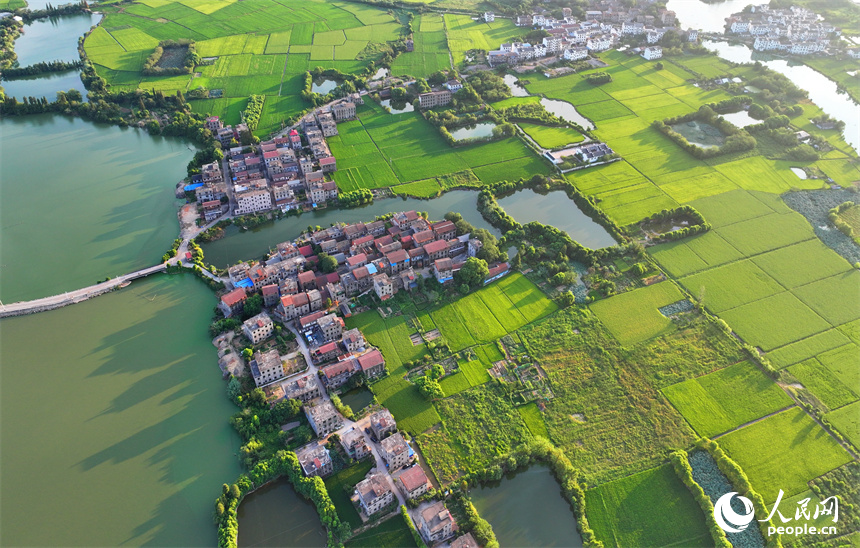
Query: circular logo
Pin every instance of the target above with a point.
(729, 520)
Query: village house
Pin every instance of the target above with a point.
(652, 52)
(325, 352)
(465, 541)
(354, 443)
(374, 494)
(434, 99)
(413, 482)
(323, 418)
(395, 451)
(315, 460)
(259, 328)
(304, 389)
(382, 424)
(337, 374)
(353, 340)
(383, 287)
(436, 250)
(271, 296)
(436, 522)
(372, 364)
(489, 17)
(443, 269)
(343, 111)
(267, 367)
(331, 326)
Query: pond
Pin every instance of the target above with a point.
(44, 85)
(799, 172)
(740, 118)
(700, 133)
(53, 39)
(566, 111)
(484, 129)
(324, 86)
(528, 509)
(402, 106)
(380, 73)
(357, 398)
(240, 245)
(275, 515)
(556, 209)
(516, 89)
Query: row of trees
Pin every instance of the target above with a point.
(191, 58)
(736, 139)
(41, 67)
(253, 111)
(355, 198)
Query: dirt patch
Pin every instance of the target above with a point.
(578, 417)
(416, 339)
(433, 335)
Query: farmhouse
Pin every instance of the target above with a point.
(259, 328)
(436, 522)
(374, 494)
(652, 52)
(395, 451)
(382, 423)
(303, 389)
(323, 417)
(434, 99)
(267, 367)
(315, 460)
(413, 482)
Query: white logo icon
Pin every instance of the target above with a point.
(729, 520)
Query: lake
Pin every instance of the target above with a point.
(53, 39)
(380, 73)
(527, 509)
(114, 421)
(81, 201)
(705, 17)
(44, 85)
(324, 86)
(275, 515)
(484, 129)
(556, 209)
(250, 244)
(701, 134)
(516, 89)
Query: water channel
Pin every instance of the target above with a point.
(527, 509)
(556, 209)
(250, 244)
(115, 425)
(275, 515)
(82, 201)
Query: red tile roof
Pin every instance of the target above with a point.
(311, 318)
(435, 247)
(413, 478)
(306, 250)
(370, 360)
(234, 297)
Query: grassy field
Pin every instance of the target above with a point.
(348, 477)
(783, 452)
(551, 137)
(393, 533)
(534, 419)
(823, 383)
(847, 421)
(651, 508)
(632, 317)
(727, 398)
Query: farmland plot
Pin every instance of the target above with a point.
(632, 317)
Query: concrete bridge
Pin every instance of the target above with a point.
(79, 295)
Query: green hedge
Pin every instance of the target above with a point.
(684, 471)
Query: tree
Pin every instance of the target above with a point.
(473, 272)
(234, 491)
(234, 389)
(659, 66)
(253, 306)
(327, 262)
(247, 353)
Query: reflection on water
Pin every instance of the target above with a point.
(275, 515)
(516, 89)
(484, 129)
(44, 85)
(405, 106)
(53, 39)
(323, 87)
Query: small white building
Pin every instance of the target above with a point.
(259, 328)
(489, 17)
(575, 54)
(454, 85)
(652, 52)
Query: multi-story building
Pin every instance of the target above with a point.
(267, 367)
(304, 389)
(413, 482)
(336, 374)
(434, 99)
(395, 451)
(233, 302)
(343, 111)
(383, 286)
(467, 540)
(323, 418)
(259, 328)
(436, 522)
(315, 460)
(354, 443)
(489, 17)
(372, 364)
(252, 201)
(331, 326)
(443, 269)
(374, 494)
(382, 423)
(652, 52)
(353, 340)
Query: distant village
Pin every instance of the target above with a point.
(794, 30)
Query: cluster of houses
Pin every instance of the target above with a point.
(275, 173)
(794, 30)
(605, 24)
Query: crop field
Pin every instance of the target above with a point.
(783, 452)
(430, 53)
(551, 137)
(842, 362)
(464, 34)
(847, 421)
(762, 323)
(347, 478)
(651, 508)
(836, 299)
(725, 399)
(427, 188)
(388, 534)
(766, 233)
(823, 383)
(800, 264)
(731, 285)
(807, 348)
(632, 317)
(534, 419)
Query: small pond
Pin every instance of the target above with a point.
(45, 85)
(53, 39)
(380, 73)
(516, 89)
(799, 172)
(556, 209)
(528, 509)
(357, 398)
(275, 515)
(324, 86)
(566, 111)
(740, 118)
(249, 244)
(399, 106)
(700, 133)
(484, 129)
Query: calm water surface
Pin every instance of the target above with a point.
(528, 509)
(470, 132)
(516, 89)
(740, 118)
(357, 398)
(556, 209)
(250, 244)
(114, 421)
(276, 515)
(46, 85)
(323, 86)
(407, 107)
(562, 109)
(53, 39)
(80, 202)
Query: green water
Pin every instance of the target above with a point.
(528, 509)
(81, 201)
(556, 209)
(114, 421)
(276, 515)
(45, 85)
(357, 398)
(53, 39)
(252, 244)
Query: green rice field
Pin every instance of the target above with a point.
(632, 317)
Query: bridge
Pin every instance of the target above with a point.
(79, 295)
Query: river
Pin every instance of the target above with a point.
(527, 509)
(556, 209)
(82, 201)
(822, 90)
(252, 244)
(114, 426)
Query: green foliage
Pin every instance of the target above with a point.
(253, 111)
(633, 317)
(327, 263)
(489, 86)
(681, 465)
(598, 78)
(253, 306)
(340, 487)
(472, 273)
